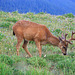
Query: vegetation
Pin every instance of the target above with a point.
(70, 15)
(52, 61)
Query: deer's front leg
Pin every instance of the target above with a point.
(39, 47)
(18, 44)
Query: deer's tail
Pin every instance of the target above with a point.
(13, 33)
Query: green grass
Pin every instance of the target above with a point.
(1, 36)
(52, 61)
(5, 69)
(5, 24)
(37, 62)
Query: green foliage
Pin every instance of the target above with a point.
(68, 65)
(15, 12)
(52, 61)
(57, 31)
(31, 42)
(1, 36)
(6, 59)
(70, 15)
(5, 70)
(12, 20)
(41, 13)
(17, 58)
(61, 17)
(55, 57)
(30, 13)
(17, 72)
(37, 62)
(2, 13)
(72, 54)
(35, 71)
(5, 24)
(70, 20)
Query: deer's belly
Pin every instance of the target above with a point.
(43, 42)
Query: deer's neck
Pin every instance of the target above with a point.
(53, 40)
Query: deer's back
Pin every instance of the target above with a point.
(30, 30)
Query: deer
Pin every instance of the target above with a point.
(40, 34)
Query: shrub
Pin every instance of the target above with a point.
(2, 13)
(17, 58)
(41, 13)
(1, 36)
(30, 13)
(11, 19)
(15, 12)
(37, 62)
(70, 20)
(42, 62)
(5, 24)
(17, 72)
(6, 59)
(61, 17)
(36, 71)
(72, 54)
(5, 70)
(57, 31)
(70, 15)
(67, 64)
(55, 57)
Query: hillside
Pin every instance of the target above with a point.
(54, 7)
(52, 62)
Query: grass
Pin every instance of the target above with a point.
(52, 61)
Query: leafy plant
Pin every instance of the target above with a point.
(5, 24)
(41, 13)
(37, 61)
(61, 17)
(6, 59)
(70, 20)
(68, 64)
(55, 57)
(17, 58)
(72, 54)
(11, 19)
(2, 13)
(57, 31)
(31, 42)
(1, 36)
(15, 12)
(69, 15)
(35, 71)
(17, 72)
(30, 13)
(5, 70)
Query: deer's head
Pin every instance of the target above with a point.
(63, 45)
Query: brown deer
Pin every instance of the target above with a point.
(30, 31)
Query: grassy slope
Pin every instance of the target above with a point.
(52, 61)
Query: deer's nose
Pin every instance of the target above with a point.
(64, 54)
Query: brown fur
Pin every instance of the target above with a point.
(30, 31)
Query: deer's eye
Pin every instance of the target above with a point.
(65, 48)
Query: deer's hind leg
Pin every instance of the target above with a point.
(25, 48)
(19, 40)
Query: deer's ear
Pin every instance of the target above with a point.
(60, 39)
